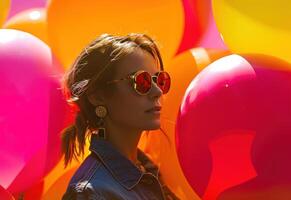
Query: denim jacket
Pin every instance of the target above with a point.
(107, 174)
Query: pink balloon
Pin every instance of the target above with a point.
(228, 111)
(196, 20)
(32, 110)
(21, 5)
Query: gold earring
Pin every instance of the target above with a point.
(101, 113)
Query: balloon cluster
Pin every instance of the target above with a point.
(225, 122)
(33, 110)
(233, 129)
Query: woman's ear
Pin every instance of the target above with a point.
(95, 99)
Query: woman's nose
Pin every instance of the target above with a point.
(156, 90)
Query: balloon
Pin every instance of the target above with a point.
(211, 38)
(161, 148)
(20, 5)
(58, 188)
(226, 108)
(32, 193)
(5, 195)
(70, 31)
(255, 26)
(270, 155)
(4, 8)
(32, 110)
(196, 21)
(182, 70)
(32, 21)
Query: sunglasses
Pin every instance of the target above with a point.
(142, 81)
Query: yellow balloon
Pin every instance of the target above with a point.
(255, 26)
(73, 24)
(32, 21)
(4, 8)
(162, 148)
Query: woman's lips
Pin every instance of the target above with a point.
(155, 110)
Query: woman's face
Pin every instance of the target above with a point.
(128, 109)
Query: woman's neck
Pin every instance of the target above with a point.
(125, 141)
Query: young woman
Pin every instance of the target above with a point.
(116, 83)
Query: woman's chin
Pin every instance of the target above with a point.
(154, 125)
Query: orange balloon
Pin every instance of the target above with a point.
(73, 24)
(32, 21)
(4, 8)
(160, 147)
(58, 188)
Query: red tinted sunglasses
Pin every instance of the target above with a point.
(142, 81)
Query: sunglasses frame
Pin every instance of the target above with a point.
(133, 76)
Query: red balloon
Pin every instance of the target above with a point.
(228, 111)
(5, 195)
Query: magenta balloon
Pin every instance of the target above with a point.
(196, 15)
(211, 38)
(238, 96)
(32, 110)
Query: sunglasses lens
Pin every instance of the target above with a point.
(143, 82)
(164, 82)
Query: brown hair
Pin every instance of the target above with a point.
(92, 68)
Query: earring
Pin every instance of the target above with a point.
(101, 113)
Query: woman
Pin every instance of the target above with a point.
(116, 83)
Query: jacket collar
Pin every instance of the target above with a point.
(125, 172)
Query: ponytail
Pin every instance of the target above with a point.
(73, 139)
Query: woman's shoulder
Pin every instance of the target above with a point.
(93, 180)
(86, 170)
